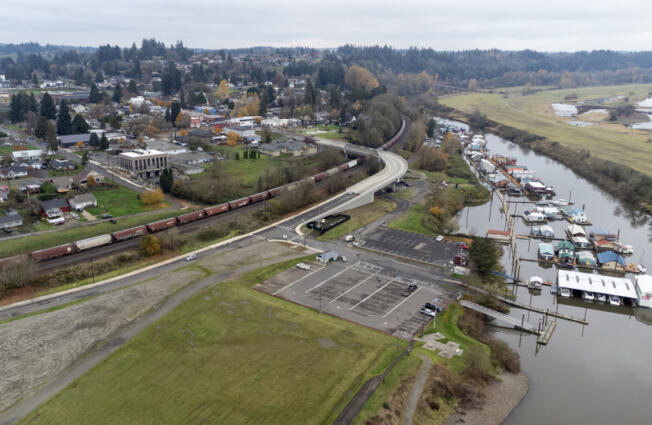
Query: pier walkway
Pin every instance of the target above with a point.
(518, 324)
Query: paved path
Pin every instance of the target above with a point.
(417, 389)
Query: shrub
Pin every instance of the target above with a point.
(150, 245)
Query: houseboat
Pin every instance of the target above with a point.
(566, 254)
(545, 232)
(546, 251)
(585, 259)
(577, 236)
(552, 213)
(599, 234)
(610, 261)
(534, 217)
(644, 291)
(535, 283)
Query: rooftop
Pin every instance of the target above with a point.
(589, 282)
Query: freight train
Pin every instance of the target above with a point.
(157, 226)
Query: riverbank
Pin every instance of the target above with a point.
(501, 398)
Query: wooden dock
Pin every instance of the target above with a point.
(545, 335)
(542, 311)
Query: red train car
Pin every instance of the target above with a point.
(134, 232)
(162, 224)
(275, 192)
(54, 252)
(343, 167)
(238, 203)
(320, 176)
(192, 216)
(258, 197)
(217, 209)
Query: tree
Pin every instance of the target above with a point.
(245, 154)
(51, 137)
(99, 77)
(79, 125)
(484, 255)
(84, 158)
(473, 84)
(237, 156)
(150, 245)
(41, 127)
(360, 80)
(16, 108)
(94, 96)
(222, 91)
(309, 93)
(166, 180)
(430, 131)
(182, 121)
(232, 138)
(91, 180)
(104, 142)
(175, 109)
(132, 87)
(117, 93)
(64, 124)
(151, 197)
(48, 107)
(94, 141)
(34, 79)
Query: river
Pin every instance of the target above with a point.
(595, 374)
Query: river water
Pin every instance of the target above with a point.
(595, 374)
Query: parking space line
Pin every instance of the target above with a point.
(298, 280)
(331, 277)
(372, 294)
(353, 287)
(397, 305)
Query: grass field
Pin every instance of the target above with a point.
(359, 217)
(534, 113)
(120, 201)
(412, 220)
(45, 240)
(4, 149)
(228, 355)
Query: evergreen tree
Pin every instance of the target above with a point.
(95, 96)
(48, 107)
(99, 77)
(175, 109)
(309, 93)
(117, 93)
(64, 124)
(166, 180)
(182, 99)
(32, 105)
(79, 76)
(51, 137)
(132, 88)
(245, 154)
(104, 142)
(431, 128)
(167, 114)
(94, 141)
(16, 110)
(135, 70)
(34, 79)
(41, 128)
(79, 125)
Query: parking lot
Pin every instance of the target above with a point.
(361, 292)
(411, 245)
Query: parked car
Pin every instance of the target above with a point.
(411, 288)
(74, 215)
(191, 257)
(427, 312)
(462, 245)
(433, 306)
(439, 238)
(303, 266)
(107, 215)
(113, 220)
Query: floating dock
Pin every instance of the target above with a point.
(545, 335)
(542, 311)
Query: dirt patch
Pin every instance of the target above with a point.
(88, 216)
(37, 348)
(326, 343)
(257, 252)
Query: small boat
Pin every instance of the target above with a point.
(614, 300)
(602, 298)
(580, 218)
(561, 202)
(514, 191)
(588, 296)
(546, 251)
(565, 292)
(534, 217)
(535, 282)
(641, 268)
(625, 249)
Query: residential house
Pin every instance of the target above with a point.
(71, 140)
(54, 208)
(270, 149)
(13, 172)
(80, 202)
(62, 164)
(62, 184)
(4, 194)
(81, 179)
(31, 186)
(32, 164)
(12, 219)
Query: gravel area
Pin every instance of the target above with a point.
(35, 349)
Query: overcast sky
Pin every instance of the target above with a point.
(550, 25)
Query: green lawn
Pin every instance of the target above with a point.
(231, 355)
(46, 240)
(412, 220)
(534, 113)
(120, 201)
(359, 217)
(4, 149)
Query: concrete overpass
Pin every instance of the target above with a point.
(395, 167)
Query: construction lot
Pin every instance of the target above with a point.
(361, 292)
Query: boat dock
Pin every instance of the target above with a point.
(515, 322)
(542, 311)
(546, 334)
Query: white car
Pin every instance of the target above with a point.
(427, 312)
(303, 266)
(191, 257)
(439, 238)
(74, 215)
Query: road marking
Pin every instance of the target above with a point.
(352, 288)
(397, 305)
(330, 278)
(298, 280)
(372, 294)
